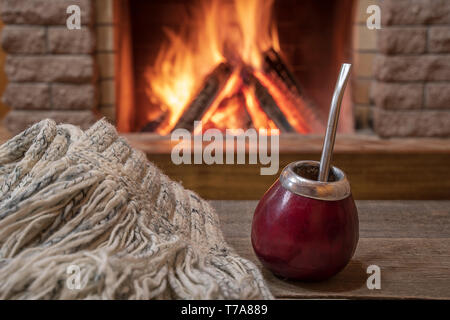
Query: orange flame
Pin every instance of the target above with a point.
(239, 34)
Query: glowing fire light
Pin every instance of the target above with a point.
(238, 34)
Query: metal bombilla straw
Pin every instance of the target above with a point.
(330, 136)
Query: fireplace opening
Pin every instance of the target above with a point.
(231, 64)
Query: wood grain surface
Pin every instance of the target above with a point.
(408, 240)
(312, 143)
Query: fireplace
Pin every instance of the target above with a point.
(232, 64)
(399, 88)
(397, 106)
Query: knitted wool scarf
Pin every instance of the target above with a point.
(88, 202)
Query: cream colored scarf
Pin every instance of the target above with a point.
(83, 215)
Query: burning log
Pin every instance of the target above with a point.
(153, 125)
(276, 90)
(273, 63)
(302, 112)
(213, 83)
(267, 103)
(271, 108)
(277, 70)
(231, 111)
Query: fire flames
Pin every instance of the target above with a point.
(237, 33)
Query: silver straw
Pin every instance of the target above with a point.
(330, 136)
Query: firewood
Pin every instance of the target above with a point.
(232, 114)
(153, 125)
(267, 103)
(273, 62)
(304, 112)
(212, 85)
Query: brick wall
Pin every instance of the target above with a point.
(51, 70)
(105, 55)
(400, 85)
(363, 75)
(412, 69)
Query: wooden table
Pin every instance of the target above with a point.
(408, 240)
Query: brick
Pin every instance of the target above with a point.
(439, 39)
(27, 96)
(63, 40)
(363, 117)
(425, 123)
(105, 38)
(361, 91)
(402, 40)
(412, 68)
(415, 12)
(107, 92)
(105, 62)
(73, 97)
(18, 120)
(398, 96)
(109, 112)
(437, 95)
(43, 12)
(104, 11)
(365, 39)
(75, 69)
(364, 64)
(19, 39)
(361, 14)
